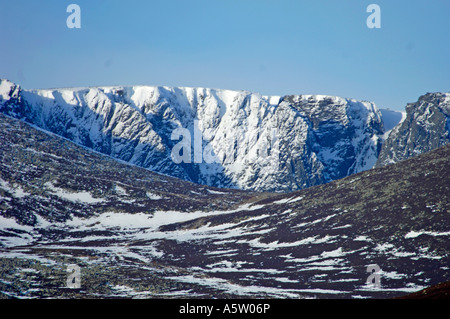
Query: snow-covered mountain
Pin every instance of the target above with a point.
(233, 139)
(424, 127)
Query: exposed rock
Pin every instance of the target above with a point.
(425, 128)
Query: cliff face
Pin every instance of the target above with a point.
(257, 142)
(426, 127)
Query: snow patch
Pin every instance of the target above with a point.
(16, 190)
(80, 197)
(414, 234)
(153, 196)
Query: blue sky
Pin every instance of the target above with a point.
(266, 46)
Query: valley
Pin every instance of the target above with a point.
(138, 234)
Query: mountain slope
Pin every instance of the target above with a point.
(135, 233)
(238, 139)
(439, 291)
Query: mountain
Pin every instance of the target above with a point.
(426, 126)
(221, 138)
(134, 233)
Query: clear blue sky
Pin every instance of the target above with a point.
(273, 47)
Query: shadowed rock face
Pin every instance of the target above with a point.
(136, 233)
(261, 143)
(426, 127)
